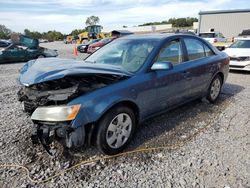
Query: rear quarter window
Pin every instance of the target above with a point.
(208, 51)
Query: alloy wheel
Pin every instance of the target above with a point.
(215, 89)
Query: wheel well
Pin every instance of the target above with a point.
(91, 128)
(222, 76)
(130, 105)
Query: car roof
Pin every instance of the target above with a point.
(5, 41)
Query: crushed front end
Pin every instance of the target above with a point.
(46, 133)
(54, 123)
(47, 103)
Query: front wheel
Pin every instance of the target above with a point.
(214, 89)
(115, 130)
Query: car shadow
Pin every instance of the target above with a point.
(168, 128)
(12, 62)
(240, 72)
(173, 126)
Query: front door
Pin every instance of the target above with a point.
(170, 84)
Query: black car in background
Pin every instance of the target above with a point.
(82, 48)
(23, 49)
(4, 44)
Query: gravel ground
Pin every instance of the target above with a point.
(218, 156)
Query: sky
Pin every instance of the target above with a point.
(66, 15)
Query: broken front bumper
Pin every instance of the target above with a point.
(46, 133)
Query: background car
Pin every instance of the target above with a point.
(239, 53)
(43, 41)
(23, 49)
(15, 53)
(95, 46)
(245, 33)
(127, 81)
(84, 47)
(213, 37)
(4, 44)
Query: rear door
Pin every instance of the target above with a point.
(200, 65)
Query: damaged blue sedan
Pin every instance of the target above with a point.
(102, 100)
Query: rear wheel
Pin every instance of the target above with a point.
(214, 89)
(115, 130)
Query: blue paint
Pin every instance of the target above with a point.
(152, 91)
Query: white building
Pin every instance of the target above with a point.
(229, 22)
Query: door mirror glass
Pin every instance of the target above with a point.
(164, 65)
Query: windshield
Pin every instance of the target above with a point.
(129, 54)
(207, 35)
(241, 44)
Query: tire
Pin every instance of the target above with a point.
(115, 130)
(214, 89)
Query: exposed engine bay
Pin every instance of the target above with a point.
(63, 90)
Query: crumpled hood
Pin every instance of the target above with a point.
(42, 70)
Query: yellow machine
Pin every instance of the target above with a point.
(69, 39)
(82, 37)
(93, 32)
(222, 45)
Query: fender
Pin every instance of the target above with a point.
(90, 113)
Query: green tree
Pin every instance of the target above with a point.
(4, 32)
(176, 22)
(76, 32)
(54, 35)
(32, 34)
(92, 20)
(50, 35)
(27, 32)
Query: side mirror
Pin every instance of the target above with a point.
(164, 65)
